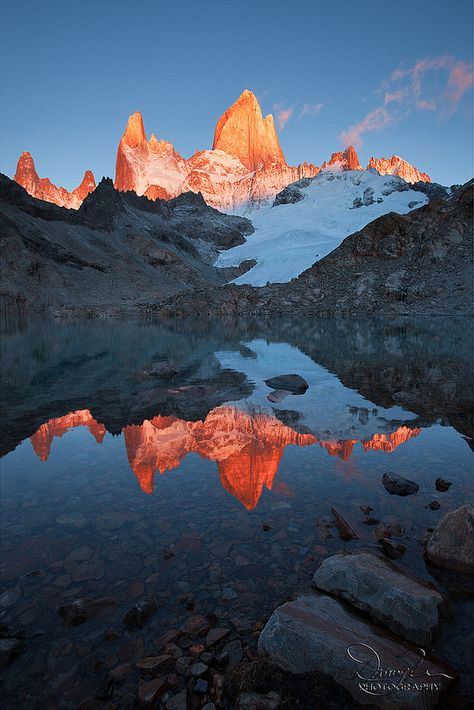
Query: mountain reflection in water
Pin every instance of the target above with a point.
(247, 446)
(242, 517)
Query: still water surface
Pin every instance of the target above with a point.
(145, 459)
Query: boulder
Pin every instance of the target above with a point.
(318, 634)
(451, 544)
(397, 485)
(403, 604)
(295, 384)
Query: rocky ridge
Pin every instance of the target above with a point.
(109, 253)
(245, 167)
(416, 263)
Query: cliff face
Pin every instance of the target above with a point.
(243, 133)
(43, 188)
(246, 163)
(397, 166)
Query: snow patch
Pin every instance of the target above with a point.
(289, 238)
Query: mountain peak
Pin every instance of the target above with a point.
(43, 188)
(243, 133)
(345, 160)
(134, 134)
(398, 166)
(26, 174)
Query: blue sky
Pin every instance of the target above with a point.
(393, 77)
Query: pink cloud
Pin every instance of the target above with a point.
(311, 109)
(461, 79)
(424, 105)
(283, 115)
(403, 93)
(396, 96)
(375, 120)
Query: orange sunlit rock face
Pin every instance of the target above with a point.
(43, 188)
(243, 133)
(346, 160)
(397, 166)
(247, 447)
(43, 438)
(246, 163)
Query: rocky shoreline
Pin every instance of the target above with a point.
(364, 613)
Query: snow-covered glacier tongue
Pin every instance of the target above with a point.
(313, 218)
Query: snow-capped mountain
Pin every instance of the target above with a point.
(245, 167)
(310, 219)
(246, 163)
(43, 188)
(397, 166)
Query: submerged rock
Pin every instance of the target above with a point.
(451, 545)
(392, 549)
(398, 485)
(345, 530)
(402, 603)
(295, 384)
(81, 610)
(318, 634)
(442, 485)
(138, 615)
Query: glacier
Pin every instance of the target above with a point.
(289, 238)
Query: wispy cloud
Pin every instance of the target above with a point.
(283, 114)
(311, 109)
(375, 120)
(424, 105)
(409, 89)
(461, 79)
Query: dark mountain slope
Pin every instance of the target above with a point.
(116, 250)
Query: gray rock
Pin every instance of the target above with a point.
(216, 635)
(295, 384)
(403, 604)
(233, 652)
(398, 485)
(452, 543)
(277, 396)
(198, 669)
(317, 633)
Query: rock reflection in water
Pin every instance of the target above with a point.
(246, 446)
